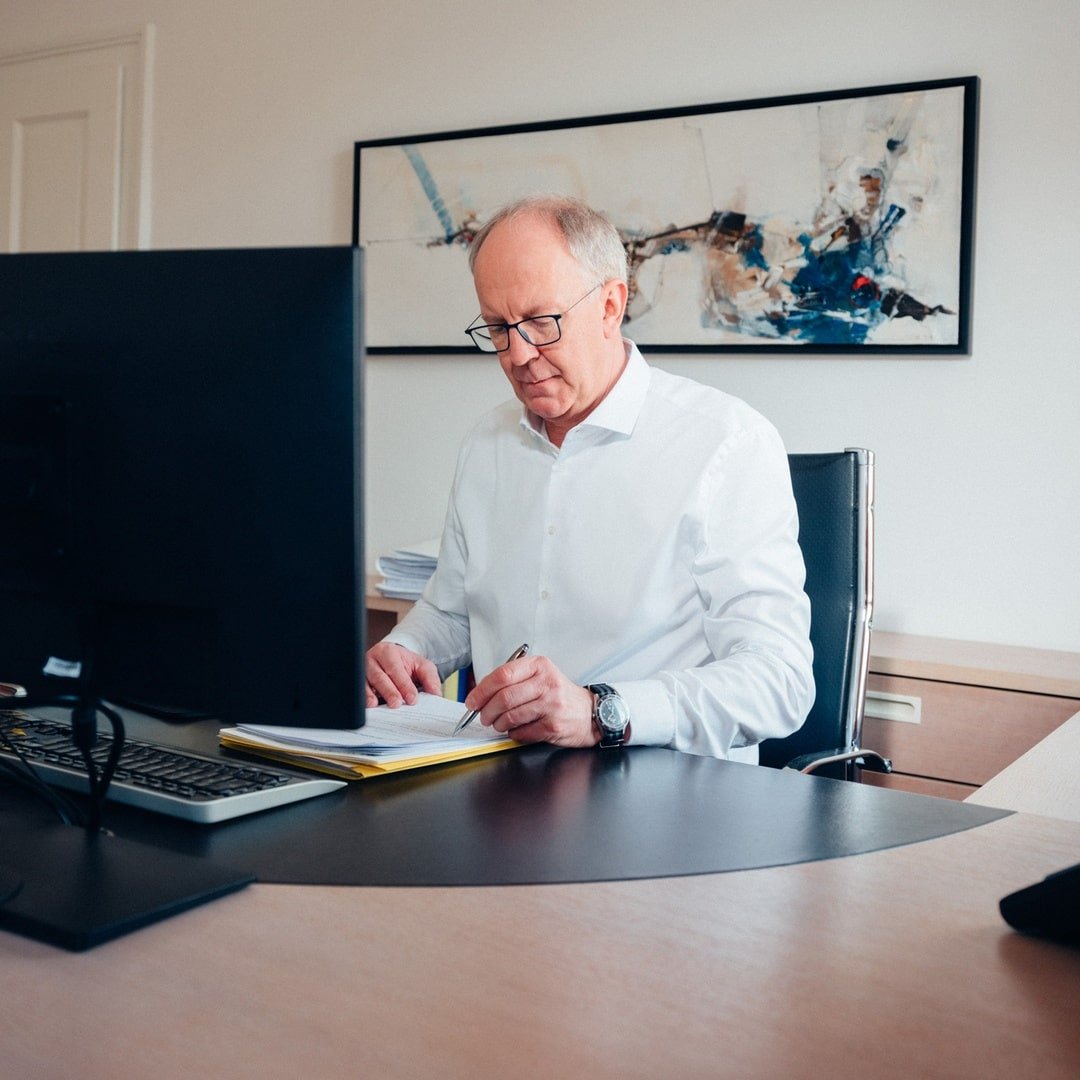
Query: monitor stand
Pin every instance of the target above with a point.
(77, 889)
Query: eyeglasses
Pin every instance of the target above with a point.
(537, 331)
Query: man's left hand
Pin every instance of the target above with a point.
(531, 700)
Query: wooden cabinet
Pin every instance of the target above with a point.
(979, 706)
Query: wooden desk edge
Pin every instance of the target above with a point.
(973, 663)
(1042, 781)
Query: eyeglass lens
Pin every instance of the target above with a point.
(541, 331)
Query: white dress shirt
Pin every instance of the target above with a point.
(656, 550)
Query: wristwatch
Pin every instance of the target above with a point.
(610, 714)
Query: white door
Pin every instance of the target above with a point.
(73, 165)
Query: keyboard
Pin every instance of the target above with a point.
(181, 783)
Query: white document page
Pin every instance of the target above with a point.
(426, 727)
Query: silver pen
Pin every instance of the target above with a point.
(472, 714)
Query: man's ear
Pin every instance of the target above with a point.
(614, 296)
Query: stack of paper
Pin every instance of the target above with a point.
(406, 571)
(390, 740)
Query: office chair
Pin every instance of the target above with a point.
(834, 494)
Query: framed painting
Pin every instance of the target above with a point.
(836, 222)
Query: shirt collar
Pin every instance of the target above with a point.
(618, 412)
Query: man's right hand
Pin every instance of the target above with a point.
(394, 673)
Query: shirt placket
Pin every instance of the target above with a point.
(548, 598)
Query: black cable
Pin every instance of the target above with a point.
(63, 809)
(86, 711)
(28, 778)
(93, 822)
(84, 734)
(115, 750)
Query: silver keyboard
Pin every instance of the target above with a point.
(180, 783)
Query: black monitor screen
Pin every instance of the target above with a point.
(181, 480)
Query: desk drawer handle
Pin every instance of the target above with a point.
(883, 706)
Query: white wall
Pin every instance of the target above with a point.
(258, 102)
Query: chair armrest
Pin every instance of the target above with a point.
(867, 759)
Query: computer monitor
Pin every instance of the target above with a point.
(181, 481)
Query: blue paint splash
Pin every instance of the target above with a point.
(431, 190)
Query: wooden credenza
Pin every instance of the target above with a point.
(979, 707)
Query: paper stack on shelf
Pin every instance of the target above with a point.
(406, 571)
(391, 740)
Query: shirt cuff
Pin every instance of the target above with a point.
(652, 713)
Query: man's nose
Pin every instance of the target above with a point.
(521, 350)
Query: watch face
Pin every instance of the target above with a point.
(611, 714)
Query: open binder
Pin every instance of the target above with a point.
(391, 740)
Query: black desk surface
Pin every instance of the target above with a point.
(542, 815)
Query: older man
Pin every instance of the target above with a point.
(635, 528)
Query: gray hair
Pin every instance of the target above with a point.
(590, 236)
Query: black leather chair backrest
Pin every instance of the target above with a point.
(827, 493)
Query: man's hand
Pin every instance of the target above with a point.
(394, 673)
(531, 700)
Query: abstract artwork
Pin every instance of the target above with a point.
(831, 222)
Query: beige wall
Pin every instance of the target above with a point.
(257, 104)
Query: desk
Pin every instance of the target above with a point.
(894, 963)
(538, 815)
(1045, 780)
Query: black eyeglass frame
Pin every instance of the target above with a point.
(507, 327)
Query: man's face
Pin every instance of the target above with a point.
(523, 270)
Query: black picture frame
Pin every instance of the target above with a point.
(872, 254)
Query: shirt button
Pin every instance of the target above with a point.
(551, 530)
(544, 594)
